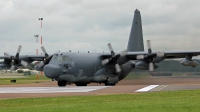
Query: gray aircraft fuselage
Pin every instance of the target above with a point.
(85, 68)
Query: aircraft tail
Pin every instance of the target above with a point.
(135, 42)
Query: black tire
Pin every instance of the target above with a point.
(109, 84)
(62, 83)
(81, 84)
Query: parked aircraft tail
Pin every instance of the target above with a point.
(135, 42)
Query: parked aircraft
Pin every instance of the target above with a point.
(108, 68)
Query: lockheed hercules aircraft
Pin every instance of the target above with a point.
(108, 68)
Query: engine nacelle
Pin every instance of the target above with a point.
(144, 65)
(133, 64)
(191, 63)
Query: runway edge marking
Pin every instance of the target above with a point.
(147, 88)
(161, 87)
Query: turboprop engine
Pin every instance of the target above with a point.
(142, 65)
(40, 65)
(149, 61)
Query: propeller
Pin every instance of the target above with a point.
(46, 59)
(16, 59)
(114, 58)
(150, 57)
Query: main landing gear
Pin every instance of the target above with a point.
(81, 84)
(62, 83)
(109, 84)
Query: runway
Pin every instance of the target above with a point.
(74, 89)
(49, 89)
(136, 86)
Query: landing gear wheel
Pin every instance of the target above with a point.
(109, 84)
(62, 83)
(81, 84)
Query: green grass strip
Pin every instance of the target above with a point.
(175, 101)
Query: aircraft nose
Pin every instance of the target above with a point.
(52, 71)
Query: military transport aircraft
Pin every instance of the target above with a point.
(108, 68)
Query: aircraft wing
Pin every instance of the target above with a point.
(32, 57)
(3, 57)
(28, 58)
(167, 54)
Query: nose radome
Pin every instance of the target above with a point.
(52, 71)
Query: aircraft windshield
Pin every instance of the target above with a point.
(61, 58)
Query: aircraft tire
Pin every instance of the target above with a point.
(109, 84)
(81, 84)
(62, 83)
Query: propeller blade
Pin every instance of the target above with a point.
(44, 51)
(7, 55)
(19, 49)
(105, 61)
(140, 57)
(24, 63)
(40, 65)
(12, 68)
(160, 54)
(117, 67)
(110, 47)
(148, 44)
(151, 67)
(123, 53)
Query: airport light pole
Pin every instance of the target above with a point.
(40, 19)
(36, 36)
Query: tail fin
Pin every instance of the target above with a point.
(135, 42)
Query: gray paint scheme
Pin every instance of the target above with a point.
(85, 68)
(135, 42)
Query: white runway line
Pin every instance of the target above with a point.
(49, 89)
(148, 88)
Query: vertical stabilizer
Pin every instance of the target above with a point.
(135, 42)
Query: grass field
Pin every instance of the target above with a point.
(21, 79)
(175, 101)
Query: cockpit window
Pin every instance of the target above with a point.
(61, 58)
(65, 58)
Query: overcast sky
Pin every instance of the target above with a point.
(89, 25)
